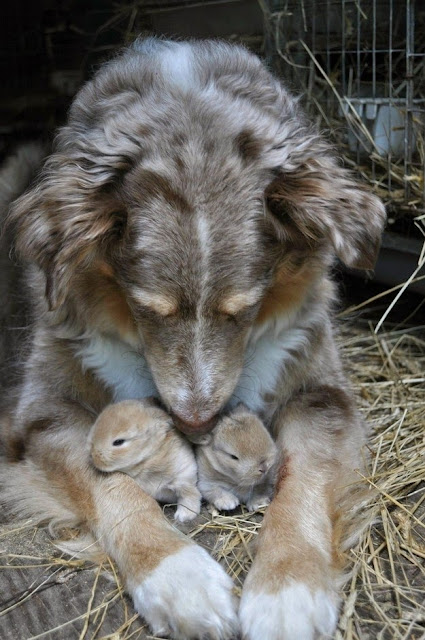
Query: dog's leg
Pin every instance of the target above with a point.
(176, 586)
(291, 592)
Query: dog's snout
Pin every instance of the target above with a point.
(191, 427)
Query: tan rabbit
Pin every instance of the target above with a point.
(138, 438)
(235, 462)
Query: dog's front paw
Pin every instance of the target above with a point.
(294, 612)
(188, 596)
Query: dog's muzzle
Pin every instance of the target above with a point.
(194, 428)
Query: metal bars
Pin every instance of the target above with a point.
(360, 68)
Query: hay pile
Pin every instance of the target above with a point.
(386, 174)
(384, 598)
(386, 595)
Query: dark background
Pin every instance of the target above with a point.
(50, 48)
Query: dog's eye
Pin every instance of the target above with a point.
(241, 318)
(118, 442)
(238, 304)
(159, 306)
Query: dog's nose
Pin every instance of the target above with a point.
(191, 427)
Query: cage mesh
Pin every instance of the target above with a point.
(360, 69)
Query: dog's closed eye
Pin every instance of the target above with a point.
(162, 305)
(238, 302)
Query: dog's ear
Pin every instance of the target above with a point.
(65, 222)
(322, 201)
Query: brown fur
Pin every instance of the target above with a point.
(138, 438)
(307, 475)
(195, 186)
(107, 307)
(287, 292)
(236, 462)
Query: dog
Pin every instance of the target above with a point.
(178, 243)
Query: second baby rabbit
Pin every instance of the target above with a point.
(235, 462)
(138, 438)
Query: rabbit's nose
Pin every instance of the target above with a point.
(97, 458)
(263, 467)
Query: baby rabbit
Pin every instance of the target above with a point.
(235, 462)
(138, 438)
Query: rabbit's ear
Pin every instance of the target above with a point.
(240, 409)
(200, 439)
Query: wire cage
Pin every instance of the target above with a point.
(360, 68)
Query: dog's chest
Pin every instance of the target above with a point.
(266, 357)
(124, 371)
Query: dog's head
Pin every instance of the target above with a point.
(187, 200)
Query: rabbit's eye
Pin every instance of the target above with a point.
(232, 455)
(118, 442)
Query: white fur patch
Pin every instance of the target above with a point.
(122, 369)
(177, 65)
(294, 613)
(203, 364)
(343, 248)
(204, 234)
(204, 241)
(188, 595)
(265, 358)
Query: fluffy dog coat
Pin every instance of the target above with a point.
(179, 240)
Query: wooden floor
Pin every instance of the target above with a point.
(44, 594)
